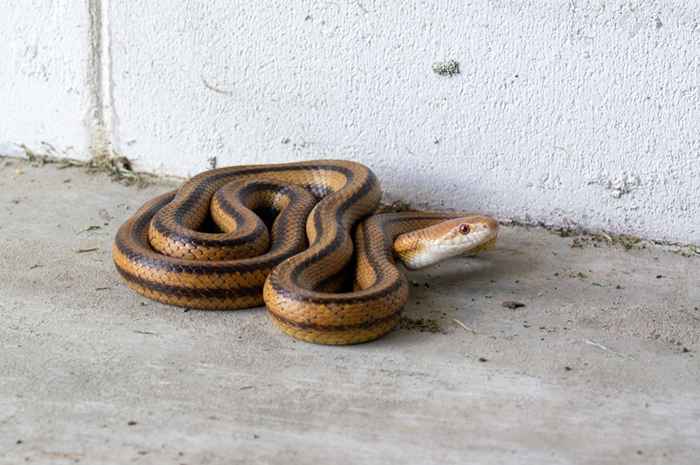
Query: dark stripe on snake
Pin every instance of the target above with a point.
(192, 292)
(327, 328)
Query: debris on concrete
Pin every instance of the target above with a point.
(119, 168)
(422, 325)
(626, 241)
(604, 348)
(92, 227)
(91, 249)
(465, 327)
(396, 206)
(584, 238)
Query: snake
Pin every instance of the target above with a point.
(302, 238)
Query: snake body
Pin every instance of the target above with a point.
(298, 269)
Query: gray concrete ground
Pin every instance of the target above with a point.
(600, 366)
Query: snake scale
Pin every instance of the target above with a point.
(169, 251)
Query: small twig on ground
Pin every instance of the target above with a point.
(86, 250)
(604, 348)
(466, 328)
(88, 229)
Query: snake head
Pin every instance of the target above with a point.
(466, 233)
(460, 236)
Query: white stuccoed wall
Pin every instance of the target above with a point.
(565, 112)
(46, 98)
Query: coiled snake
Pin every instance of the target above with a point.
(299, 268)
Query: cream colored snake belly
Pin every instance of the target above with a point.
(168, 251)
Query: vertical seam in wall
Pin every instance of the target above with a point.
(99, 118)
(108, 112)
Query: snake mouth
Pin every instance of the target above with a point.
(490, 244)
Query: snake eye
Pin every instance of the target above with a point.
(464, 228)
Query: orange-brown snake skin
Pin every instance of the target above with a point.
(163, 254)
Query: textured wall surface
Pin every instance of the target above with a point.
(564, 112)
(45, 96)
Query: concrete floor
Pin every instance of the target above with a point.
(600, 366)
